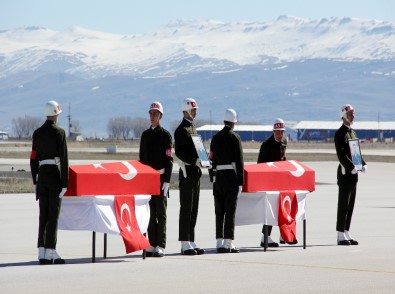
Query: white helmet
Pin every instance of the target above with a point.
(230, 115)
(52, 108)
(156, 105)
(279, 125)
(345, 108)
(188, 104)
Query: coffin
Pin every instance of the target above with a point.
(114, 178)
(278, 176)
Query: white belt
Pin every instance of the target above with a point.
(224, 167)
(161, 171)
(49, 162)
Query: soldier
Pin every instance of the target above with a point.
(347, 176)
(50, 171)
(226, 154)
(273, 149)
(189, 178)
(155, 151)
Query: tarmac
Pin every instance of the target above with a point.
(323, 267)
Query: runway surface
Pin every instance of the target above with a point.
(323, 267)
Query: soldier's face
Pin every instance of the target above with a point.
(278, 135)
(350, 116)
(193, 112)
(154, 116)
(190, 114)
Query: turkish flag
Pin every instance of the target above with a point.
(127, 223)
(287, 210)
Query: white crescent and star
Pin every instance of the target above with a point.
(299, 169)
(126, 207)
(287, 199)
(132, 172)
(296, 173)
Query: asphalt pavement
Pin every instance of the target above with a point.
(323, 267)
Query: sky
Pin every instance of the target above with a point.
(129, 17)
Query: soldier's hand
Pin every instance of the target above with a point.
(62, 192)
(354, 171)
(165, 188)
(240, 188)
(199, 163)
(364, 168)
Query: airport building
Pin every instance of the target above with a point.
(246, 132)
(325, 130)
(3, 136)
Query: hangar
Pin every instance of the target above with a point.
(3, 136)
(325, 130)
(246, 132)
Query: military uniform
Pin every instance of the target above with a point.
(226, 154)
(50, 171)
(189, 183)
(155, 151)
(270, 151)
(346, 181)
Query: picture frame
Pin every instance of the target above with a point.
(201, 150)
(355, 151)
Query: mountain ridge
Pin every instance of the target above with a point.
(301, 68)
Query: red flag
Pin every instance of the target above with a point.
(127, 223)
(288, 208)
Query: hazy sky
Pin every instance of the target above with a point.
(141, 16)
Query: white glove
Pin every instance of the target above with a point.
(240, 188)
(199, 163)
(62, 192)
(364, 168)
(165, 188)
(354, 171)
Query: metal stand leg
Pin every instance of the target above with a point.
(93, 247)
(304, 234)
(265, 238)
(105, 246)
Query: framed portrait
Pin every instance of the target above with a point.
(355, 150)
(201, 150)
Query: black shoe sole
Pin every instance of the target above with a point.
(269, 244)
(228, 250)
(344, 243)
(188, 252)
(289, 243)
(59, 261)
(199, 251)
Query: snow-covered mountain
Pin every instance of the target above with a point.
(289, 67)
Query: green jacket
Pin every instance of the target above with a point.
(184, 148)
(49, 141)
(155, 150)
(271, 150)
(225, 148)
(342, 135)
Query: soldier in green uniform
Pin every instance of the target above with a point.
(226, 154)
(189, 178)
(50, 171)
(347, 177)
(155, 151)
(273, 149)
